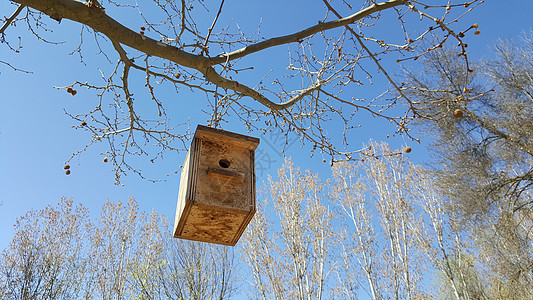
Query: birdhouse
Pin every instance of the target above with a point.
(216, 198)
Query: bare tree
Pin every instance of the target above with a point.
(196, 270)
(57, 254)
(260, 253)
(294, 262)
(399, 229)
(172, 46)
(360, 250)
(393, 231)
(133, 257)
(440, 237)
(378, 202)
(111, 250)
(390, 180)
(47, 256)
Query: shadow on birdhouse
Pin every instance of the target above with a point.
(216, 198)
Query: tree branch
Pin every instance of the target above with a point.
(295, 37)
(225, 83)
(373, 58)
(211, 28)
(11, 18)
(97, 19)
(494, 130)
(15, 68)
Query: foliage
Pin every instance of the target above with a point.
(486, 153)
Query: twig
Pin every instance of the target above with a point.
(14, 68)
(322, 26)
(373, 58)
(211, 29)
(10, 19)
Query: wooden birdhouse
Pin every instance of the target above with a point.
(216, 198)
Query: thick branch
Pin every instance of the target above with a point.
(298, 36)
(494, 130)
(223, 82)
(96, 18)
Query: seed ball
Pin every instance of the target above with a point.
(69, 90)
(324, 160)
(407, 149)
(67, 172)
(66, 167)
(105, 159)
(142, 28)
(73, 92)
(458, 113)
(83, 123)
(477, 32)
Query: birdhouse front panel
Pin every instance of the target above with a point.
(216, 200)
(227, 180)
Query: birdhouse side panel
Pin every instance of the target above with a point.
(253, 203)
(187, 187)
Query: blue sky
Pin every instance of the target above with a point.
(36, 137)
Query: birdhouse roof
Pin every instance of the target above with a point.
(239, 140)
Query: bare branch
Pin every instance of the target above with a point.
(298, 36)
(223, 82)
(11, 18)
(15, 68)
(211, 29)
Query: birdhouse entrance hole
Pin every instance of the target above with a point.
(216, 198)
(224, 163)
